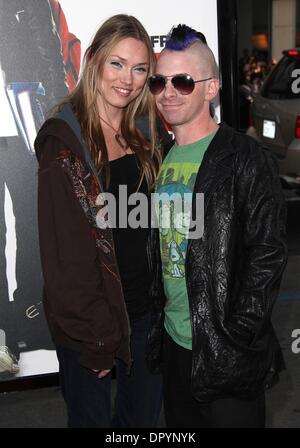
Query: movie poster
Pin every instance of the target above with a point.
(42, 43)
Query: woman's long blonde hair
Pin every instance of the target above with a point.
(84, 100)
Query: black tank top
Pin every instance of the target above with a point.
(130, 243)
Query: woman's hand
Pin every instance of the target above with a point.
(101, 373)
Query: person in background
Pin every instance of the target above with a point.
(100, 283)
(220, 352)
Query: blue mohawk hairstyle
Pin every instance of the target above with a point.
(182, 36)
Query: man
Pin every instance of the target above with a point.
(220, 350)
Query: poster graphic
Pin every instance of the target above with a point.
(34, 75)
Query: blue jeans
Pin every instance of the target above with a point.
(88, 398)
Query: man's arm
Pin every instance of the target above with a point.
(50, 66)
(263, 225)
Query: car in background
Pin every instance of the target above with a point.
(275, 113)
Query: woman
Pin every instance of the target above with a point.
(99, 280)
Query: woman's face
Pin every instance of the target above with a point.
(124, 74)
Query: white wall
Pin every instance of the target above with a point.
(157, 16)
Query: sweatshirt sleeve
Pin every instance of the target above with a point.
(75, 298)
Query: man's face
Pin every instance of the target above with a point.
(178, 109)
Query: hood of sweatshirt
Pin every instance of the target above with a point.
(58, 128)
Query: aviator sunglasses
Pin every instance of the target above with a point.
(183, 82)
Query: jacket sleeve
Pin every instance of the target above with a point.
(75, 298)
(262, 222)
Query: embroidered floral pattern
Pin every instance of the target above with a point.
(87, 190)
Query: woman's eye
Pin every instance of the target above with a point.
(141, 69)
(116, 64)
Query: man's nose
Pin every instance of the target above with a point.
(169, 90)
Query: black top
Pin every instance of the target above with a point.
(130, 243)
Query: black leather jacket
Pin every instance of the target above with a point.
(234, 271)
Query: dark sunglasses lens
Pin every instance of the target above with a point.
(156, 84)
(184, 84)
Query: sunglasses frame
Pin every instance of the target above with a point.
(185, 76)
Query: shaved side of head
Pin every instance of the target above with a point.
(206, 57)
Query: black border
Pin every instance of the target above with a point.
(228, 60)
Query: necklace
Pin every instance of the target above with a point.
(118, 137)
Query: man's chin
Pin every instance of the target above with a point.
(173, 122)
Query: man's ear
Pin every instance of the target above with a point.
(212, 89)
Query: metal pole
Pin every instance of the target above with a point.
(228, 57)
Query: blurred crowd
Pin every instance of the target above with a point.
(253, 69)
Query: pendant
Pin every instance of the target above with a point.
(121, 141)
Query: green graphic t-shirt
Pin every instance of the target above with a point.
(176, 181)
